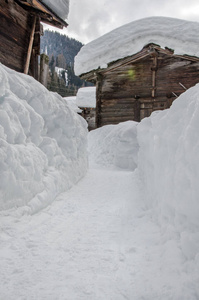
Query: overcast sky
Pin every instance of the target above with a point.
(89, 19)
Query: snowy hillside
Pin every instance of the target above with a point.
(43, 143)
(179, 35)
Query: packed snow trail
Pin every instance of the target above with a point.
(75, 249)
(94, 242)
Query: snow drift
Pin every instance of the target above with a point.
(43, 143)
(114, 146)
(169, 166)
(179, 35)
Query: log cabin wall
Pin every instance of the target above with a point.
(174, 76)
(15, 31)
(135, 90)
(121, 91)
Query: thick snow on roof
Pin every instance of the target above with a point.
(180, 35)
(60, 7)
(71, 101)
(86, 97)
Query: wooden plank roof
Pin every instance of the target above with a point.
(45, 13)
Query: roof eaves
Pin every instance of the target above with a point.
(46, 14)
(64, 24)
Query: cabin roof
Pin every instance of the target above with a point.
(148, 50)
(179, 35)
(45, 11)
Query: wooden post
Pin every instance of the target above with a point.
(44, 69)
(98, 99)
(26, 69)
(154, 69)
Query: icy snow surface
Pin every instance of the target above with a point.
(86, 97)
(43, 143)
(119, 233)
(179, 35)
(60, 7)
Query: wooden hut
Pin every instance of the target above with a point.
(134, 86)
(20, 32)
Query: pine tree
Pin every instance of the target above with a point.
(62, 51)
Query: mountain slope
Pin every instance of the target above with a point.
(56, 43)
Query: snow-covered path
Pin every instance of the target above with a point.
(96, 242)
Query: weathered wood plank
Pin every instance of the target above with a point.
(14, 32)
(117, 119)
(14, 37)
(27, 64)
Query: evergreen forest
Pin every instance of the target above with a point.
(61, 51)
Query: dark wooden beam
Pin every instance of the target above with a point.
(46, 15)
(30, 46)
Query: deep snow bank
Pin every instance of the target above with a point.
(169, 166)
(42, 143)
(114, 145)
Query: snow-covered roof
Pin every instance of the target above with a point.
(71, 101)
(86, 97)
(180, 35)
(60, 7)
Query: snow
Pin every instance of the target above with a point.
(43, 144)
(60, 7)
(179, 35)
(170, 168)
(60, 71)
(70, 250)
(114, 146)
(71, 101)
(128, 229)
(86, 97)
